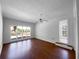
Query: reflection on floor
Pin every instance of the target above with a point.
(35, 49)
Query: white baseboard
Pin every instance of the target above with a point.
(46, 40)
(0, 49)
(64, 46)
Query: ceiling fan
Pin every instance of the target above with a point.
(42, 19)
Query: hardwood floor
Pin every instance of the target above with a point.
(35, 49)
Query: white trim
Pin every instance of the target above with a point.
(64, 46)
(47, 40)
(1, 49)
(76, 26)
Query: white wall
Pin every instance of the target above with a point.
(49, 31)
(6, 28)
(1, 30)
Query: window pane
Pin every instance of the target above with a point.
(13, 32)
(26, 31)
(19, 31)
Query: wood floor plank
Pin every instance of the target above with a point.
(35, 49)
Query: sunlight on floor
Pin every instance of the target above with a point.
(20, 48)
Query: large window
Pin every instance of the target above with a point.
(20, 32)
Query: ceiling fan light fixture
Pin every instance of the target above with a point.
(42, 19)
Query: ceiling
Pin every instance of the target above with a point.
(30, 10)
